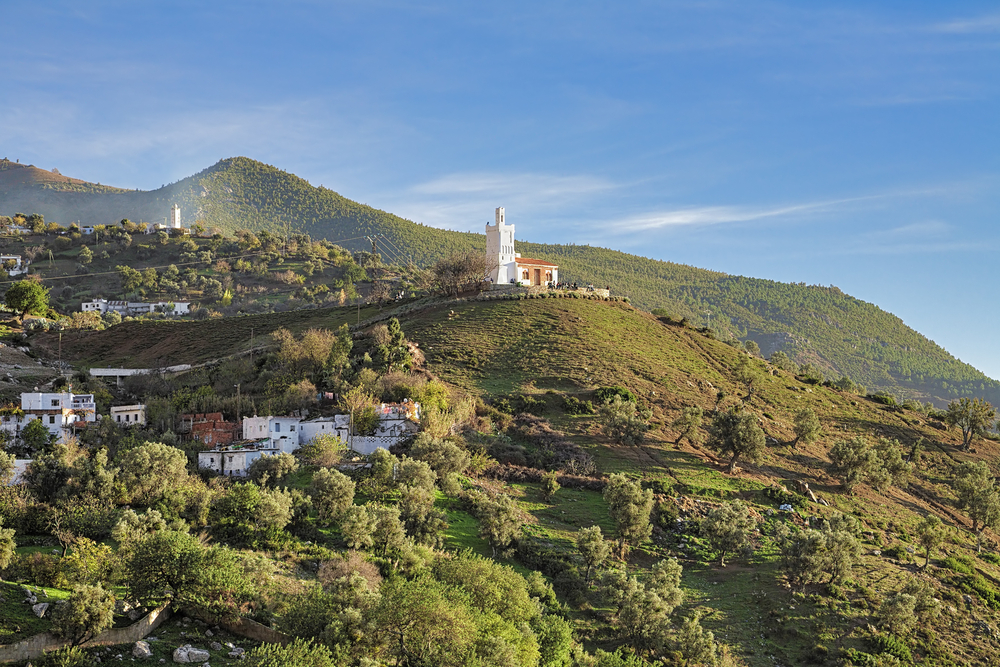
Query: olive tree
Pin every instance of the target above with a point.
(624, 421)
(594, 549)
(272, 470)
(500, 520)
(973, 416)
(88, 611)
(150, 470)
(8, 547)
(736, 434)
(807, 427)
(629, 505)
(688, 424)
(977, 494)
(728, 528)
(930, 534)
(332, 492)
(27, 297)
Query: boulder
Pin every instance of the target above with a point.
(40, 609)
(141, 650)
(215, 646)
(187, 653)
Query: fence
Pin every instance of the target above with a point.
(35, 647)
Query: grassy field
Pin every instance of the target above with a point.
(554, 349)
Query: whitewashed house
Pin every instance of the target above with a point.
(103, 306)
(14, 265)
(234, 460)
(282, 433)
(58, 412)
(508, 265)
(397, 421)
(129, 415)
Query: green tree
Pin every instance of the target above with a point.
(166, 566)
(629, 505)
(416, 509)
(86, 256)
(747, 373)
(977, 494)
(688, 425)
(151, 470)
(332, 492)
(8, 547)
(393, 353)
(272, 470)
(36, 438)
(624, 421)
(550, 484)
(728, 528)
(594, 549)
(930, 534)
(852, 461)
(444, 456)
(27, 298)
(425, 622)
(806, 555)
(299, 653)
(88, 611)
(736, 434)
(752, 348)
(500, 520)
(131, 279)
(696, 645)
(7, 467)
(807, 427)
(249, 516)
(357, 527)
(324, 451)
(973, 416)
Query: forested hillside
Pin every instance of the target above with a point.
(819, 325)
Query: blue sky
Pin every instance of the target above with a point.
(849, 143)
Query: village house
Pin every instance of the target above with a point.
(103, 306)
(129, 415)
(209, 428)
(233, 460)
(58, 412)
(508, 265)
(282, 433)
(13, 265)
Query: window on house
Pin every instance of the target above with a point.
(211, 460)
(52, 419)
(292, 427)
(277, 427)
(55, 402)
(118, 418)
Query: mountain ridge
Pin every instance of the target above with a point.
(838, 333)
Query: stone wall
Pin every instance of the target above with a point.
(35, 647)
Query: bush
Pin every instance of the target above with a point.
(959, 564)
(574, 406)
(883, 397)
(894, 646)
(607, 394)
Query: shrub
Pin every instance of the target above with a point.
(894, 646)
(607, 394)
(959, 564)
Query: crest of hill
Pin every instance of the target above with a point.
(820, 325)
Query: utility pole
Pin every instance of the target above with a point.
(238, 404)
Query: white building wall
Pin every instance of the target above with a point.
(500, 247)
(129, 415)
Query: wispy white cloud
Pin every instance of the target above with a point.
(982, 24)
(714, 215)
(465, 201)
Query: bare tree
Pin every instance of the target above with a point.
(463, 271)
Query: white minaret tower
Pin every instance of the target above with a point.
(175, 216)
(500, 246)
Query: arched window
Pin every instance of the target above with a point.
(548, 275)
(524, 275)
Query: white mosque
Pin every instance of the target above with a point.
(510, 266)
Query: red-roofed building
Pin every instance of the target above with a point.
(510, 266)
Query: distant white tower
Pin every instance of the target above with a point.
(500, 246)
(175, 216)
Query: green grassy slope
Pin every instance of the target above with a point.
(554, 348)
(841, 334)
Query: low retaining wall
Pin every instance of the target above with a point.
(35, 647)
